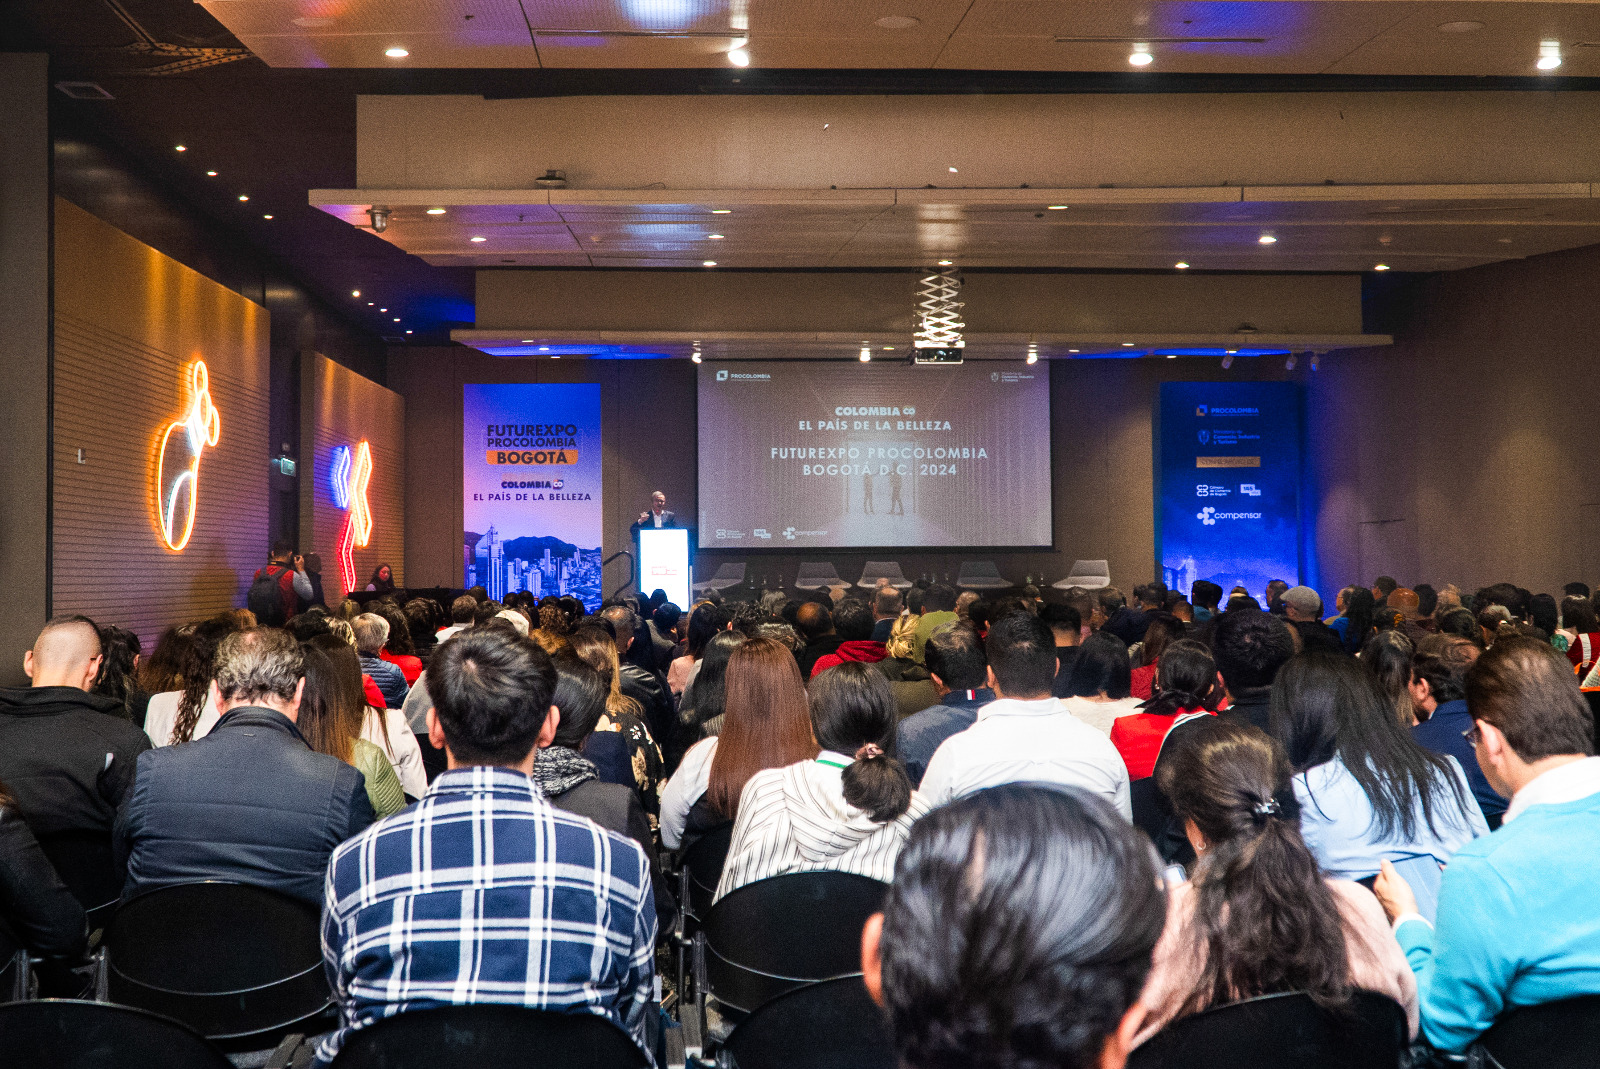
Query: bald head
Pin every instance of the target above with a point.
(66, 654)
(813, 620)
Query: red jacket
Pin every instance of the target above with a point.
(866, 651)
(1138, 738)
(373, 694)
(410, 665)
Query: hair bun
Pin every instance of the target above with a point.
(868, 751)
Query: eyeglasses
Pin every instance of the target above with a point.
(1472, 735)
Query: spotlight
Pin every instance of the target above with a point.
(1074, 350)
(266, 217)
(739, 54)
(1055, 207)
(1380, 267)
(410, 332)
(382, 309)
(1267, 239)
(355, 293)
(1227, 361)
(1127, 345)
(180, 148)
(1288, 365)
(211, 174)
(397, 319)
(713, 237)
(244, 197)
(1172, 356)
(946, 263)
(866, 353)
(396, 53)
(1181, 265)
(435, 211)
(954, 171)
(708, 263)
(1549, 55)
(380, 218)
(1141, 57)
(544, 348)
(695, 356)
(1033, 353)
(721, 211)
(479, 239)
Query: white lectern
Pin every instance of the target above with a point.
(664, 563)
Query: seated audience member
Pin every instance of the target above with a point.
(910, 682)
(1186, 684)
(644, 768)
(571, 781)
(663, 625)
(485, 892)
(1067, 627)
(1382, 587)
(118, 677)
(938, 609)
(1026, 735)
(462, 611)
(1367, 790)
(637, 681)
(1256, 916)
(1249, 648)
(66, 755)
(767, 724)
(1516, 921)
(1438, 695)
(1387, 655)
(397, 648)
(1544, 614)
(1164, 628)
(886, 606)
(250, 802)
(1018, 932)
(1098, 689)
(1582, 632)
(1205, 596)
(36, 909)
(1408, 603)
(190, 713)
(703, 703)
(1355, 626)
(372, 631)
(852, 620)
(422, 624)
(1125, 621)
(1461, 623)
(959, 668)
(705, 620)
(331, 714)
(1302, 608)
(847, 810)
(814, 620)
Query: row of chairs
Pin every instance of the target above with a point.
(974, 575)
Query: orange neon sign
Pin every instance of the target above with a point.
(350, 478)
(176, 501)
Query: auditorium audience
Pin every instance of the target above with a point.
(1125, 621)
(705, 620)
(462, 611)
(1355, 624)
(331, 714)
(485, 892)
(814, 620)
(767, 724)
(663, 625)
(1098, 689)
(1186, 684)
(853, 622)
(66, 756)
(1516, 923)
(1582, 632)
(847, 810)
(1205, 596)
(637, 681)
(1367, 790)
(1387, 655)
(1067, 627)
(1025, 735)
(886, 606)
(644, 768)
(938, 608)
(382, 580)
(700, 711)
(119, 672)
(959, 669)
(1018, 932)
(397, 647)
(1381, 588)
(251, 802)
(190, 712)
(1164, 628)
(1302, 608)
(1257, 917)
(372, 631)
(1438, 695)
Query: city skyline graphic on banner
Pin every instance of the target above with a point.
(531, 503)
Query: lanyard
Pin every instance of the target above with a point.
(832, 762)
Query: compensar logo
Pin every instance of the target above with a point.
(1210, 517)
(531, 456)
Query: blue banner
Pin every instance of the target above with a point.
(530, 479)
(1228, 487)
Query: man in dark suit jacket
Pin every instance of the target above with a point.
(250, 802)
(656, 515)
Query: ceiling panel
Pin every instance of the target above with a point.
(1508, 43)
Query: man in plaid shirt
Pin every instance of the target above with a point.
(483, 892)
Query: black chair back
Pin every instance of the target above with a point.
(227, 959)
(489, 1037)
(1276, 1031)
(1554, 1035)
(87, 865)
(775, 935)
(66, 1034)
(703, 860)
(829, 1025)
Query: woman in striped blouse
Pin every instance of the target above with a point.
(848, 810)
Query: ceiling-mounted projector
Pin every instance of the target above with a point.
(938, 354)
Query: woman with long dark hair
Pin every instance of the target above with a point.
(1356, 625)
(767, 724)
(1257, 917)
(1367, 790)
(119, 668)
(706, 621)
(1099, 685)
(701, 707)
(1164, 629)
(398, 649)
(331, 713)
(382, 579)
(1186, 684)
(847, 810)
(623, 718)
(1387, 655)
(189, 713)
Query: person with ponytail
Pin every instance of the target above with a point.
(848, 810)
(1258, 917)
(1186, 685)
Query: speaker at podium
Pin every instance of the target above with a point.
(665, 564)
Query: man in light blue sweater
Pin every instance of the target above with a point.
(1517, 924)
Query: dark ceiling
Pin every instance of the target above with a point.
(177, 77)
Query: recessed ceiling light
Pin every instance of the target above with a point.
(739, 55)
(397, 319)
(721, 211)
(244, 196)
(1549, 55)
(1056, 207)
(180, 148)
(954, 171)
(1230, 352)
(888, 348)
(555, 356)
(708, 263)
(396, 53)
(714, 237)
(479, 238)
(355, 293)
(1267, 239)
(410, 332)
(866, 355)
(946, 263)
(211, 174)
(527, 341)
(435, 211)
(1127, 345)
(544, 348)
(1172, 356)
(896, 22)
(1072, 350)
(266, 217)
(1380, 267)
(1181, 265)
(369, 304)
(1140, 56)
(1462, 26)
(383, 309)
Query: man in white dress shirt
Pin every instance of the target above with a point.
(1025, 735)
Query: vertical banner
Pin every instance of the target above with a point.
(1228, 491)
(531, 489)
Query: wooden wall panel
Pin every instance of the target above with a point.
(339, 407)
(128, 324)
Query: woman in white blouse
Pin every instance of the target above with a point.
(848, 810)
